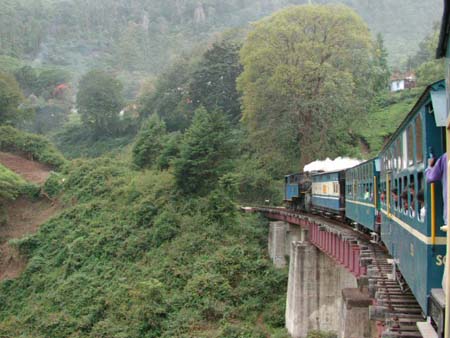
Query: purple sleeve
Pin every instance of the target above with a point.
(435, 173)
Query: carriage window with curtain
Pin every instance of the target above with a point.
(410, 146)
(419, 142)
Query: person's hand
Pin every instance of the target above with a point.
(431, 162)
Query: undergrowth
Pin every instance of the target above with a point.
(12, 185)
(33, 146)
(130, 257)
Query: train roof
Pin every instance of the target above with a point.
(439, 106)
(317, 173)
(445, 30)
(374, 159)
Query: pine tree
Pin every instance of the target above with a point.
(149, 142)
(205, 154)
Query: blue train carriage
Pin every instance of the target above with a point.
(411, 223)
(328, 192)
(297, 191)
(362, 195)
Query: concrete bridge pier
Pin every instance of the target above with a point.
(281, 235)
(355, 322)
(314, 299)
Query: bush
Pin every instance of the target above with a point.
(12, 185)
(54, 184)
(34, 146)
(321, 334)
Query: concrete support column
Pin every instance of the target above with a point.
(293, 234)
(314, 298)
(277, 243)
(302, 294)
(355, 321)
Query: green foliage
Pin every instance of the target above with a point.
(35, 146)
(213, 83)
(170, 99)
(305, 78)
(241, 331)
(27, 78)
(205, 153)
(171, 150)
(10, 98)
(9, 64)
(54, 184)
(11, 184)
(99, 101)
(76, 141)
(430, 72)
(146, 35)
(149, 142)
(380, 70)
(128, 258)
(387, 112)
(321, 334)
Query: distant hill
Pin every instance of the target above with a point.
(144, 35)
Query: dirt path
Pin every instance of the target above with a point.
(30, 170)
(24, 216)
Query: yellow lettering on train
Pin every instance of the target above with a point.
(324, 189)
(440, 260)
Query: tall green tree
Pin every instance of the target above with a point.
(149, 143)
(428, 68)
(10, 99)
(380, 69)
(306, 73)
(213, 83)
(205, 154)
(99, 102)
(170, 98)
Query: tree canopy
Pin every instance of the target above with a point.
(10, 98)
(205, 153)
(306, 74)
(149, 143)
(213, 83)
(99, 102)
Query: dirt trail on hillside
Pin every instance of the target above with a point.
(30, 170)
(24, 216)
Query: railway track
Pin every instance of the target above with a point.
(394, 308)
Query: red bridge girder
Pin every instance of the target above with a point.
(339, 246)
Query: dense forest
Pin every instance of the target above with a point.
(156, 120)
(144, 35)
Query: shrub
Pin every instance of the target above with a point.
(54, 184)
(34, 146)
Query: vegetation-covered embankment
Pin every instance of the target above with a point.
(131, 258)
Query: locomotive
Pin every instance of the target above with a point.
(388, 196)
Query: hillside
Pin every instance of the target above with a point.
(130, 258)
(146, 35)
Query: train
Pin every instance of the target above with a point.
(388, 196)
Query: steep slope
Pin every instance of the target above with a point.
(128, 258)
(24, 215)
(31, 171)
(144, 35)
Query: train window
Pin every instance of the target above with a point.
(398, 153)
(419, 139)
(404, 150)
(410, 146)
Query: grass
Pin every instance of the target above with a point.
(387, 114)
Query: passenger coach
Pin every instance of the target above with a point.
(328, 192)
(362, 195)
(410, 223)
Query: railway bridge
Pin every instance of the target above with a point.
(339, 279)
